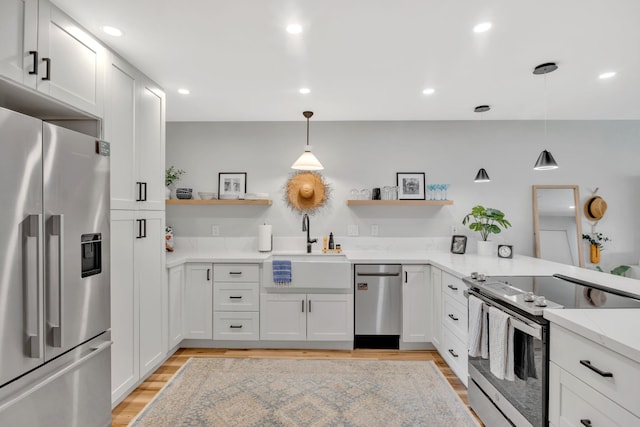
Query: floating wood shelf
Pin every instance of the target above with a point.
(399, 202)
(217, 202)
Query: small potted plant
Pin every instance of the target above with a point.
(485, 221)
(596, 245)
(171, 175)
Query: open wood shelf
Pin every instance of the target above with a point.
(400, 202)
(216, 202)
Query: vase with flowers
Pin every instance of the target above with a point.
(171, 175)
(596, 245)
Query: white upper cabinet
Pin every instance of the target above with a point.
(150, 136)
(19, 29)
(44, 49)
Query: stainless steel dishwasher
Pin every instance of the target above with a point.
(378, 305)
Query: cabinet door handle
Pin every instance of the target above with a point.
(586, 423)
(406, 277)
(453, 288)
(139, 191)
(309, 306)
(144, 228)
(208, 274)
(452, 317)
(144, 198)
(600, 372)
(453, 353)
(34, 53)
(302, 305)
(47, 61)
(139, 234)
(235, 326)
(234, 297)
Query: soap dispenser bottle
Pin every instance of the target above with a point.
(331, 243)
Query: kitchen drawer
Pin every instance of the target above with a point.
(232, 325)
(569, 349)
(571, 401)
(454, 287)
(455, 354)
(454, 317)
(236, 273)
(236, 296)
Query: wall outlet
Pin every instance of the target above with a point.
(454, 230)
(374, 229)
(352, 230)
(215, 230)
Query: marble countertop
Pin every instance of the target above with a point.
(605, 326)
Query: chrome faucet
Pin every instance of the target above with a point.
(306, 227)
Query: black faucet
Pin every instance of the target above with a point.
(306, 227)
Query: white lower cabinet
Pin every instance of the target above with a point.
(590, 384)
(236, 325)
(417, 317)
(198, 300)
(436, 290)
(137, 299)
(302, 317)
(175, 285)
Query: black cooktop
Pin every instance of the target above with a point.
(569, 292)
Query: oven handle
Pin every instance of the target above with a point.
(516, 320)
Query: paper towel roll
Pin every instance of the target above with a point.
(264, 238)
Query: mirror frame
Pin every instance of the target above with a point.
(536, 224)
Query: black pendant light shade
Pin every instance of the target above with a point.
(482, 176)
(545, 162)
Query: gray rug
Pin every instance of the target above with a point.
(303, 392)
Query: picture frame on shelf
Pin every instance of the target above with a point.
(458, 244)
(410, 185)
(232, 185)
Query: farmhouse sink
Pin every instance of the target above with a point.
(326, 271)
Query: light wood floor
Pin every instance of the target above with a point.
(136, 401)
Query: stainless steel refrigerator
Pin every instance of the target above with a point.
(54, 275)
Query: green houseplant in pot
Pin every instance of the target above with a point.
(170, 176)
(485, 221)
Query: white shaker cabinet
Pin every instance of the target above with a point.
(236, 302)
(198, 299)
(175, 291)
(137, 298)
(417, 321)
(306, 317)
(436, 289)
(46, 50)
(135, 127)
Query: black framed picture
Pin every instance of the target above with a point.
(410, 185)
(458, 244)
(232, 185)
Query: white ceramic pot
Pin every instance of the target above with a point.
(487, 248)
(167, 193)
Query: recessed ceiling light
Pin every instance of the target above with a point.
(305, 90)
(482, 27)
(428, 91)
(607, 75)
(294, 28)
(184, 91)
(112, 31)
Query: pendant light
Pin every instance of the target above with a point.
(307, 161)
(545, 159)
(482, 175)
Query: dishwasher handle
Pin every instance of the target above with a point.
(378, 274)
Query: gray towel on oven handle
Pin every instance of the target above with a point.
(475, 326)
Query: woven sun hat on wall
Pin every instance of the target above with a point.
(594, 208)
(306, 191)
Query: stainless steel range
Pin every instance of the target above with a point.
(521, 397)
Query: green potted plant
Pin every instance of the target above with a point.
(485, 221)
(170, 176)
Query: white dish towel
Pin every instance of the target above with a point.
(475, 326)
(498, 342)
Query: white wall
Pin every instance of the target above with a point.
(604, 154)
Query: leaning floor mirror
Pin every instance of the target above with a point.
(556, 223)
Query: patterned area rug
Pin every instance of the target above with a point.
(302, 392)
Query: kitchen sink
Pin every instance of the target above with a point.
(316, 270)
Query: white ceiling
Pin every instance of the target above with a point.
(371, 59)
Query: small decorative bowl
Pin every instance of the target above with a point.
(206, 195)
(183, 196)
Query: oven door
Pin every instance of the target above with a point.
(523, 401)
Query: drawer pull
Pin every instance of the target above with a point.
(452, 317)
(235, 273)
(586, 423)
(453, 288)
(233, 297)
(588, 364)
(208, 274)
(235, 326)
(453, 353)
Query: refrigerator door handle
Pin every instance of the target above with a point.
(58, 230)
(33, 282)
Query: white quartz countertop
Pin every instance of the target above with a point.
(615, 329)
